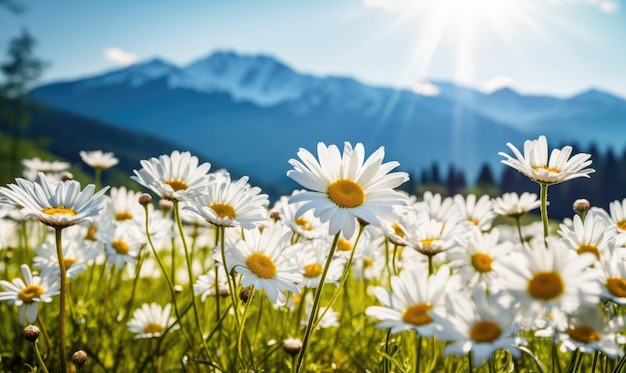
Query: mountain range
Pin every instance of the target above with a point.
(251, 113)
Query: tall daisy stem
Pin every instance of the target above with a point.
(241, 329)
(544, 212)
(316, 303)
(63, 289)
(179, 221)
(231, 284)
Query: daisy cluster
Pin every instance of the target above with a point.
(479, 274)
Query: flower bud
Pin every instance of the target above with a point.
(166, 204)
(581, 205)
(292, 346)
(31, 333)
(178, 289)
(79, 358)
(144, 199)
(245, 294)
(67, 176)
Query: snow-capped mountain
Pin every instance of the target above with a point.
(254, 112)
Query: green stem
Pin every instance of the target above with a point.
(431, 267)
(418, 357)
(470, 363)
(42, 365)
(544, 212)
(518, 223)
(386, 362)
(596, 355)
(316, 303)
(63, 290)
(167, 279)
(231, 284)
(179, 221)
(241, 329)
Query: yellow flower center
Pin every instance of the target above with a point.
(546, 286)
(153, 328)
(549, 169)
(584, 334)
(177, 184)
(120, 246)
(123, 215)
(346, 193)
(261, 265)
(223, 210)
(621, 225)
(368, 261)
(417, 314)
(344, 245)
(485, 332)
(473, 221)
(91, 233)
(398, 230)
(58, 210)
(589, 249)
(302, 222)
(616, 286)
(427, 241)
(30, 292)
(312, 270)
(482, 262)
(68, 262)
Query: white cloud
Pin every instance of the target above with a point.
(496, 83)
(387, 5)
(120, 57)
(606, 6)
(426, 89)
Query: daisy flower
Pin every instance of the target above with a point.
(515, 205)
(588, 236)
(99, 160)
(329, 317)
(77, 253)
(306, 225)
(265, 260)
(151, 320)
(589, 330)
(475, 259)
(480, 325)
(346, 186)
(536, 165)
(207, 286)
(430, 237)
(613, 277)
(230, 204)
(478, 212)
(175, 177)
(437, 207)
(27, 293)
(550, 278)
(312, 258)
(53, 170)
(124, 204)
(122, 243)
(58, 206)
(413, 296)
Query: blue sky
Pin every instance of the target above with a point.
(558, 47)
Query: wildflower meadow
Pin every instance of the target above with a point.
(194, 271)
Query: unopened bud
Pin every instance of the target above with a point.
(581, 205)
(292, 346)
(166, 204)
(31, 333)
(79, 358)
(245, 294)
(178, 289)
(67, 176)
(275, 215)
(144, 199)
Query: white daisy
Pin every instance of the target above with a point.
(52, 169)
(536, 165)
(588, 236)
(207, 286)
(589, 330)
(480, 325)
(430, 236)
(412, 297)
(265, 260)
(437, 207)
(346, 187)
(306, 225)
(58, 206)
(545, 279)
(613, 277)
(27, 293)
(175, 177)
(122, 243)
(312, 258)
(124, 204)
(151, 320)
(77, 253)
(230, 204)
(475, 259)
(98, 159)
(478, 212)
(515, 205)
